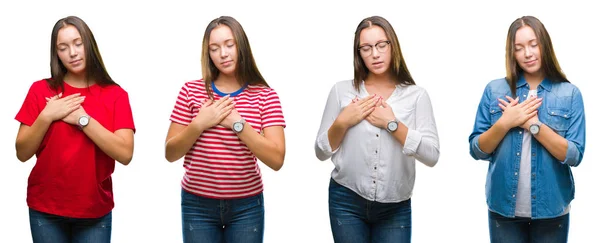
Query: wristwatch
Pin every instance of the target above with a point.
(535, 128)
(83, 121)
(392, 126)
(238, 126)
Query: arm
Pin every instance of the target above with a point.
(180, 140)
(483, 124)
(569, 150)
(30, 138)
(117, 145)
(327, 142)
(270, 148)
(422, 142)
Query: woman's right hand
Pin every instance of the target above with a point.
(357, 110)
(516, 114)
(58, 108)
(213, 112)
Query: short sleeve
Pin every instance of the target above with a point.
(123, 115)
(271, 112)
(182, 113)
(29, 110)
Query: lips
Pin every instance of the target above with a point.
(75, 62)
(530, 63)
(227, 63)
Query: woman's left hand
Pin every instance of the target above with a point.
(74, 116)
(382, 114)
(234, 116)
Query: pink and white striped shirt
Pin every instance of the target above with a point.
(219, 165)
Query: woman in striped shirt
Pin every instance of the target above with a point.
(222, 124)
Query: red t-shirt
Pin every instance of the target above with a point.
(72, 176)
(219, 165)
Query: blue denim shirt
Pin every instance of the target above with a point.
(552, 186)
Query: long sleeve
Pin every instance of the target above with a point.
(575, 134)
(482, 124)
(423, 142)
(332, 110)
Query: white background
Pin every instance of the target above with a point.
(452, 48)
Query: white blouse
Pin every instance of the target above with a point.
(370, 161)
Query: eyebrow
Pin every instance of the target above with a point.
(218, 43)
(63, 43)
(529, 41)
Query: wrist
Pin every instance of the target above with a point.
(341, 124)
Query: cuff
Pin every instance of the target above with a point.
(476, 152)
(413, 139)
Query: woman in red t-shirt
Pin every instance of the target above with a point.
(77, 123)
(222, 124)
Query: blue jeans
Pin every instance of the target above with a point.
(516, 230)
(220, 221)
(53, 228)
(355, 219)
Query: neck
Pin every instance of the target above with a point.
(227, 83)
(533, 79)
(77, 80)
(379, 79)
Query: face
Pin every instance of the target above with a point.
(527, 51)
(69, 47)
(375, 50)
(222, 49)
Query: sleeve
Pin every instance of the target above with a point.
(271, 112)
(423, 142)
(123, 118)
(182, 113)
(575, 134)
(483, 122)
(29, 109)
(332, 110)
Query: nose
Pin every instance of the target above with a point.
(224, 52)
(528, 52)
(375, 52)
(73, 51)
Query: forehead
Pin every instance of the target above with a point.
(67, 34)
(524, 34)
(372, 34)
(220, 33)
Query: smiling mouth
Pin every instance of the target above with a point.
(227, 62)
(76, 61)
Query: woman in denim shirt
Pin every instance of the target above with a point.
(530, 126)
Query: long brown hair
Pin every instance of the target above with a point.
(400, 71)
(94, 67)
(550, 67)
(246, 70)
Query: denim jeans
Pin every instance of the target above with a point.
(516, 230)
(220, 221)
(53, 228)
(355, 219)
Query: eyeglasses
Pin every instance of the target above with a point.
(367, 50)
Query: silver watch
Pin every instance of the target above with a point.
(535, 128)
(83, 121)
(238, 126)
(392, 126)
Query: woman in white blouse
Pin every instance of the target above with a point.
(373, 128)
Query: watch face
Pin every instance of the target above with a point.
(238, 126)
(84, 120)
(534, 129)
(392, 126)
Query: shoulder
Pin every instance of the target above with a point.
(261, 90)
(40, 86)
(565, 88)
(498, 84)
(344, 85)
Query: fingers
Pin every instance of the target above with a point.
(223, 99)
(532, 114)
(207, 102)
(367, 112)
(366, 99)
(533, 108)
(368, 103)
(70, 97)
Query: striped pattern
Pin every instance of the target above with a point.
(219, 165)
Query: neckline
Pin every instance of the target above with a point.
(222, 94)
(363, 88)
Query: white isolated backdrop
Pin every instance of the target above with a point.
(452, 48)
